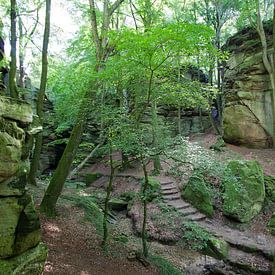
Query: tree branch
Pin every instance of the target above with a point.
(115, 6)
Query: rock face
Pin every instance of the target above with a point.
(244, 190)
(20, 251)
(248, 113)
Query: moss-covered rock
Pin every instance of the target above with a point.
(271, 224)
(16, 110)
(118, 204)
(10, 211)
(28, 229)
(270, 187)
(217, 248)
(199, 194)
(244, 190)
(92, 177)
(31, 262)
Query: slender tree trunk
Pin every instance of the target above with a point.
(55, 187)
(21, 54)
(41, 96)
(156, 158)
(12, 73)
(144, 202)
(107, 199)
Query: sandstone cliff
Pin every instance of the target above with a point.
(248, 113)
(20, 249)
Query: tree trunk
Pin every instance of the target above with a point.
(12, 73)
(156, 158)
(41, 96)
(21, 54)
(144, 202)
(55, 187)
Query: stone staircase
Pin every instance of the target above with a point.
(246, 251)
(172, 197)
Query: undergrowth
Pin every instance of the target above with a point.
(164, 266)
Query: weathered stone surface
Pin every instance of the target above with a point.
(9, 212)
(241, 126)
(15, 110)
(30, 262)
(244, 190)
(28, 232)
(198, 194)
(248, 113)
(19, 222)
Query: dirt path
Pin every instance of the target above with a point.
(74, 248)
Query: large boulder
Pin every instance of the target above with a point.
(20, 248)
(244, 190)
(247, 88)
(199, 194)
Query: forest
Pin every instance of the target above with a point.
(137, 137)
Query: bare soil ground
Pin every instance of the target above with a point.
(74, 248)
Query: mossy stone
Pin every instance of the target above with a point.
(199, 194)
(270, 187)
(244, 190)
(28, 229)
(271, 224)
(217, 248)
(30, 262)
(92, 177)
(10, 211)
(118, 204)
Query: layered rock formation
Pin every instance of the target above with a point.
(248, 113)
(20, 249)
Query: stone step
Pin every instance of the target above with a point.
(170, 191)
(171, 197)
(167, 183)
(196, 217)
(178, 204)
(247, 261)
(168, 187)
(188, 211)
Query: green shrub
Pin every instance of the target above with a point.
(164, 266)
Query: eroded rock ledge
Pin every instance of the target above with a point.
(20, 249)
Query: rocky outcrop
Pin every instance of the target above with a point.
(20, 248)
(248, 113)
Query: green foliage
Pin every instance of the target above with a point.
(195, 237)
(164, 266)
(152, 190)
